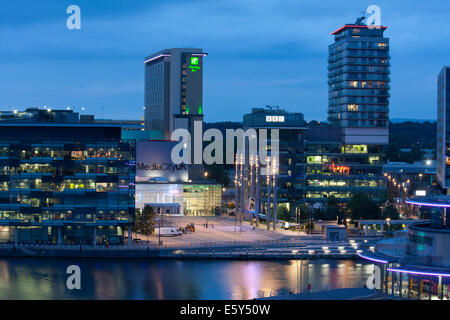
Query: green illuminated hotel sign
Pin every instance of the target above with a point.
(194, 64)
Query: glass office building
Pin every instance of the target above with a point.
(291, 127)
(340, 170)
(443, 136)
(65, 183)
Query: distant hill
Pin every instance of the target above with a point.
(399, 120)
(407, 134)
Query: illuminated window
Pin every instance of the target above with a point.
(268, 118)
(314, 159)
(353, 84)
(354, 149)
(352, 107)
(374, 160)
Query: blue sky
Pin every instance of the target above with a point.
(260, 52)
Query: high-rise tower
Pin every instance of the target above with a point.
(173, 87)
(358, 81)
(443, 137)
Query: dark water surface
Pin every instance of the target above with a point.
(172, 279)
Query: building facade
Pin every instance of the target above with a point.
(443, 136)
(173, 86)
(174, 94)
(334, 168)
(160, 181)
(65, 183)
(358, 82)
(291, 127)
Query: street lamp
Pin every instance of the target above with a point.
(388, 220)
(159, 233)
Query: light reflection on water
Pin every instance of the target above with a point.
(167, 279)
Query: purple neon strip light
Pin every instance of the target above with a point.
(372, 259)
(420, 273)
(428, 204)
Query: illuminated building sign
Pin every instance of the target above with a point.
(194, 64)
(154, 163)
(340, 169)
(274, 118)
(421, 193)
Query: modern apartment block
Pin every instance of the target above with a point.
(358, 83)
(173, 87)
(443, 125)
(65, 182)
(348, 156)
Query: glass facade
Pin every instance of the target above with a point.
(443, 129)
(291, 126)
(358, 77)
(341, 171)
(58, 189)
(202, 200)
(194, 199)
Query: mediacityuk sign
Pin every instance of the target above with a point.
(154, 162)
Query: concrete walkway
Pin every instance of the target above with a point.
(337, 294)
(220, 229)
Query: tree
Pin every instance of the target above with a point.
(305, 213)
(391, 212)
(231, 205)
(148, 221)
(218, 173)
(137, 220)
(309, 226)
(145, 221)
(333, 210)
(362, 207)
(283, 213)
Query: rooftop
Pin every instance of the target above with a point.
(347, 26)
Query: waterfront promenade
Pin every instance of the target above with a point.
(337, 294)
(220, 239)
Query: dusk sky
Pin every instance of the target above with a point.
(261, 52)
